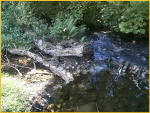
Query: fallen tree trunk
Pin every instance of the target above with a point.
(74, 50)
(57, 70)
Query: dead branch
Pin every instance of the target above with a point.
(57, 70)
(75, 50)
(20, 74)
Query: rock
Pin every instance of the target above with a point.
(118, 50)
(143, 59)
(36, 107)
(90, 107)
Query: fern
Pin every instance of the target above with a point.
(64, 28)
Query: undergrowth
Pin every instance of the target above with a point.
(13, 96)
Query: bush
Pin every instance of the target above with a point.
(39, 28)
(49, 10)
(14, 19)
(64, 27)
(91, 17)
(126, 17)
(19, 26)
(135, 18)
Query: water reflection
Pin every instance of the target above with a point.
(102, 90)
(110, 94)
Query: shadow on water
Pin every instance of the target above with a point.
(107, 93)
(102, 90)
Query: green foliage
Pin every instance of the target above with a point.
(39, 28)
(135, 18)
(14, 18)
(82, 39)
(77, 9)
(82, 11)
(19, 26)
(110, 14)
(48, 10)
(64, 27)
(127, 17)
(21, 21)
(13, 95)
(91, 16)
(51, 9)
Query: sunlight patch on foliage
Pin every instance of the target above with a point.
(13, 95)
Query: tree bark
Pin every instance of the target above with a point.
(57, 70)
(75, 50)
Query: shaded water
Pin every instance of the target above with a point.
(107, 46)
(105, 91)
(111, 93)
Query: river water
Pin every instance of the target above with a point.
(107, 46)
(105, 91)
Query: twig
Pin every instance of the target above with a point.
(97, 108)
(77, 108)
(7, 58)
(41, 54)
(16, 65)
(15, 69)
(34, 65)
(10, 65)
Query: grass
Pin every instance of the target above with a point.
(13, 94)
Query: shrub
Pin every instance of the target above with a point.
(77, 9)
(39, 28)
(49, 10)
(64, 28)
(126, 17)
(91, 16)
(14, 19)
(19, 26)
(135, 18)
